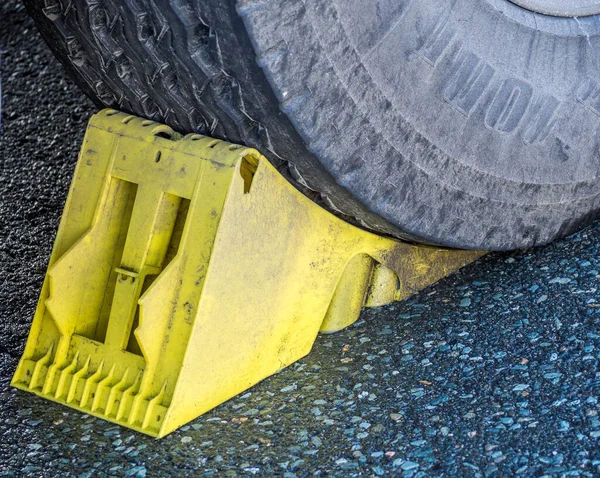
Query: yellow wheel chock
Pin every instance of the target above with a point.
(186, 270)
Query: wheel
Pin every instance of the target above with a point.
(467, 123)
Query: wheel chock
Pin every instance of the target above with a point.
(187, 269)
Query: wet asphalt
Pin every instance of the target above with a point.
(490, 372)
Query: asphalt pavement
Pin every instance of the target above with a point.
(490, 372)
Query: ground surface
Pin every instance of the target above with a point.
(491, 372)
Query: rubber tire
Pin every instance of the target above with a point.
(473, 124)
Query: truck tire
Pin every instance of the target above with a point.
(467, 123)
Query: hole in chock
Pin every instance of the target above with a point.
(123, 194)
(164, 134)
(233, 147)
(111, 112)
(214, 143)
(147, 123)
(247, 170)
(178, 210)
(127, 119)
(157, 157)
(163, 131)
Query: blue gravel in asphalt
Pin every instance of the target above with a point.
(490, 372)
